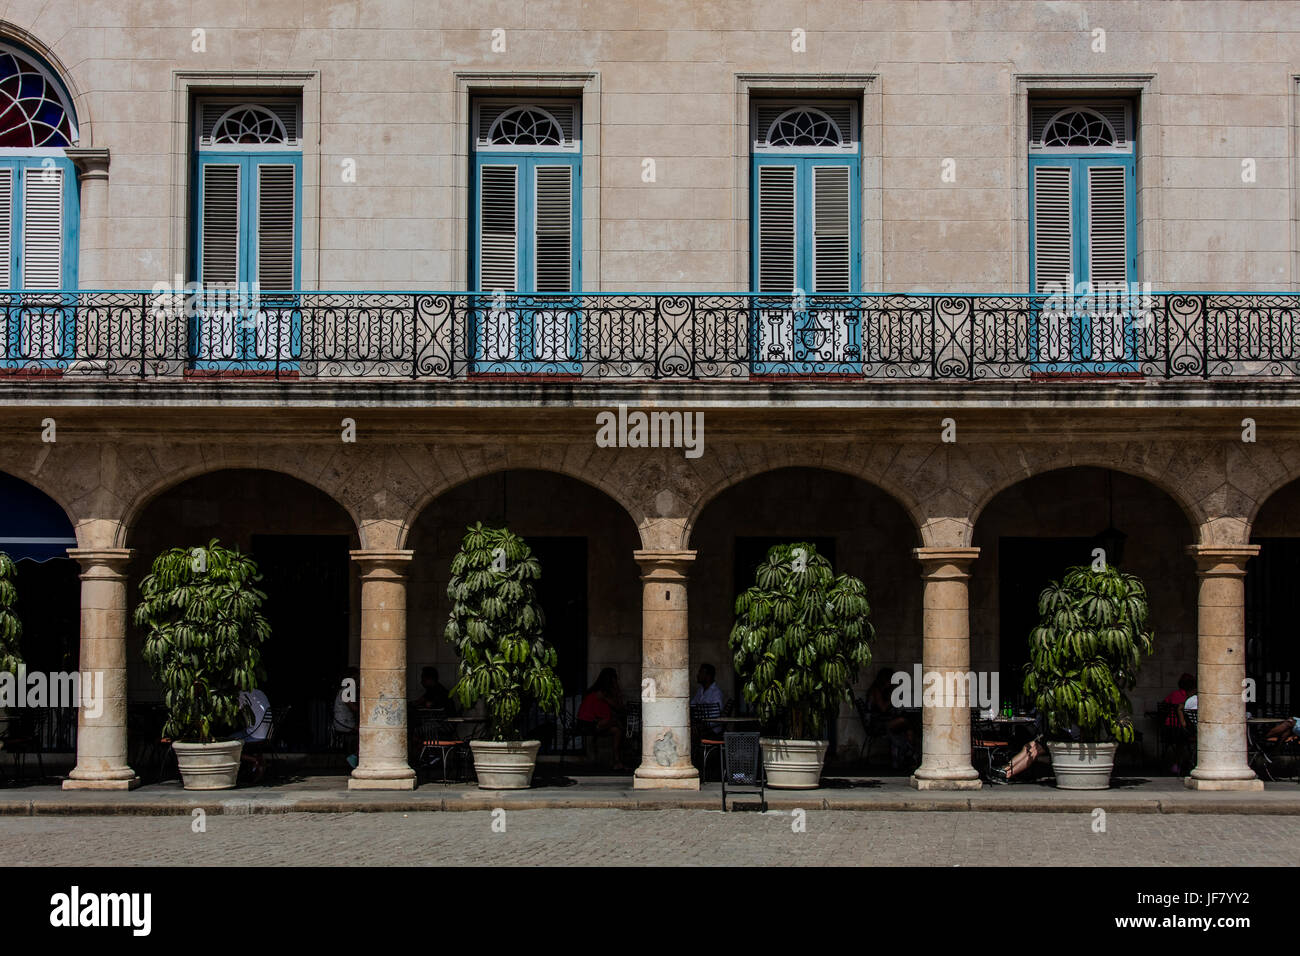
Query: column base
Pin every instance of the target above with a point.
(101, 780)
(396, 778)
(665, 778)
(1211, 781)
(946, 780)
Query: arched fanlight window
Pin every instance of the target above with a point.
(804, 127)
(1079, 128)
(249, 124)
(526, 126)
(34, 110)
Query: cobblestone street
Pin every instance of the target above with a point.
(667, 837)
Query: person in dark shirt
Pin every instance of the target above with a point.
(435, 696)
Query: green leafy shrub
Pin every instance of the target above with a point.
(203, 630)
(496, 627)
(801, 636)
(1086, 651)
(11, 629)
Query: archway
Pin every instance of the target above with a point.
(1030, 532)
(300, 538)
(36, 533)
(590, 585)
(863, 531)
(1273, 604)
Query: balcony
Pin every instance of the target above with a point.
(435, 336)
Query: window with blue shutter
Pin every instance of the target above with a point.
(39, 206)
(526, 238)
(806, 196)
(1083, 236)
(247, 234)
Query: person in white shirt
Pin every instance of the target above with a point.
(255, 704)
(708, 694)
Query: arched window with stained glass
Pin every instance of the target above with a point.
(38, 186)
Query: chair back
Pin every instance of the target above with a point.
(275, 719)
(741, 759)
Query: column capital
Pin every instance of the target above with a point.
(945, 562)
(383, 562)
(90, 163)
(1222, 560)
(111, 561)
(675, 564)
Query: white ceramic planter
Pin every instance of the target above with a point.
(1082, 766)
(793, 764)
(504, 764)
(209, 766)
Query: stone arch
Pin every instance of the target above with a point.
(706, 494)
(47, 491)
(163, 483)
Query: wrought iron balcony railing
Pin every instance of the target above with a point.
(450, 336)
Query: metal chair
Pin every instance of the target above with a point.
(274, 719)
(702, 715)
(438, 745)
(742, 767)
(24, 738)
(986, 742)
(873, 729)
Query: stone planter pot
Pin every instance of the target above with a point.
(1082, 766)
(209, 766)
(504, 764)
(793, 764)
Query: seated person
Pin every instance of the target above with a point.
(1176, 721)
(347, 712)
(258, 708)
(601, 712)
(1288, 729)
(1029, 754)
(435, 696)
(708, 695)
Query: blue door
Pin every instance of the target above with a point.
(247, 239)
(807, 317)
(1083, 255)
(527, 263)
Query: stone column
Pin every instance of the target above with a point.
(1221, 668)
(665, 660)
(381, 763)
(101, 739)
(94, 224)
(945, 650)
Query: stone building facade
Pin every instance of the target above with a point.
(944, 426)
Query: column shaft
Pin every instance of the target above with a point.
(1221, 761)
(945, 651)
(381, 757)
(101, 739)
(665, 662)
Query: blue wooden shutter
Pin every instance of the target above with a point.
(776, 232)
(276, 232)
(1053, 229)
(498, 223)
(553, 229)
(832, 229)
(219, 233)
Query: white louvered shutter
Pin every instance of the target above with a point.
(1107, 228)
(6, 227)
(219, 243)
(832, 251)
(1053, 237)
(498, 229)
(553, 243)
(776, 229)
(42, 228)
(276, 242)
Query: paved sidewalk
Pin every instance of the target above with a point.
(329, 794)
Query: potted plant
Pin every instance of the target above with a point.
(800, 638)
(496, 627)
(203, 629)
(11, 629)
(1083, 655)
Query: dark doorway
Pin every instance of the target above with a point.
(49, 607)
(1025, 567)
(1272, 612)
(305, 579)
(562, 592)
